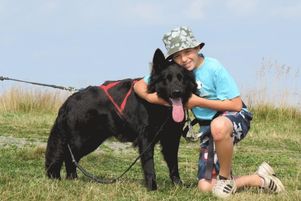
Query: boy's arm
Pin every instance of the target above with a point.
(234, 104)
(140, 89)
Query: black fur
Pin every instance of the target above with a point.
(88, 118)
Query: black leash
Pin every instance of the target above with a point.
(71, 89)
(111, 181)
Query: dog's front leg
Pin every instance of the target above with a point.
(170, 147)
(147, 160)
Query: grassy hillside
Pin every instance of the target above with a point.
(25, 121)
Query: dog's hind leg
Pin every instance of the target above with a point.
(54, 156)
(80, 150)
(70, 166)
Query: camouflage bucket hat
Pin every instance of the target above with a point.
(179, 39)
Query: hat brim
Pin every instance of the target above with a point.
(170, 54)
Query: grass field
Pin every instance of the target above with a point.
(25, 121)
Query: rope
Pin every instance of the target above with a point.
(71, 89)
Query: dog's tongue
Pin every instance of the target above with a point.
(177, 109)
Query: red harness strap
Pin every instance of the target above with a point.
(106, 88)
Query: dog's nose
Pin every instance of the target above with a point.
(176, 93)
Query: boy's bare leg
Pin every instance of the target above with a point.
(221, 130)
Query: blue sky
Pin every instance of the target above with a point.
(80, 43)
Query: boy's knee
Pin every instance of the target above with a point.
(204, 185)
(221, 128)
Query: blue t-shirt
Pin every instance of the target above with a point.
(214, 83)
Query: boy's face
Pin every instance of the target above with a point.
(188, 58)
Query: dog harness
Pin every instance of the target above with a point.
(107, 87)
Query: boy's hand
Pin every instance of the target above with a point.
(155, 99)
(192, 102)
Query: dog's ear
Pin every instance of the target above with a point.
(157, 66)
(158, 60)
(192, 81)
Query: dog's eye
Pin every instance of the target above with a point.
(169, 77)
(179, 76)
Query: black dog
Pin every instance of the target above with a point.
(92, 115)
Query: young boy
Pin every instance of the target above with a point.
(217, 92)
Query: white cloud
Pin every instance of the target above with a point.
(196, 9)
(290, 10)
(276, 9)
(165, 12)
(76, 14)
(242, 7)
(143, 12)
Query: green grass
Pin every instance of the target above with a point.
(275, 137)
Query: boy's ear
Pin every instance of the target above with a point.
(158, 60)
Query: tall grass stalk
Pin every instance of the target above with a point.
(275, 84)
(21, 100)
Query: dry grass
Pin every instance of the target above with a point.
(26, 100)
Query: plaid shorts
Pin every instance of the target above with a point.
(241, 125)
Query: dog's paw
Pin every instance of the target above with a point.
(176, 180)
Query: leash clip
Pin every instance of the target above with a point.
(190, 136)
